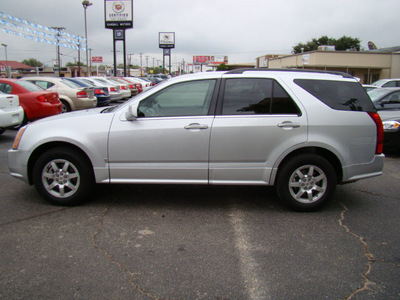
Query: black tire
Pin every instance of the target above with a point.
(65, 106)
(63, 176)
(2, 130)
(306, 182)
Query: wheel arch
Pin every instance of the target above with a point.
(68, 100)
(45, 147)
(328, 155)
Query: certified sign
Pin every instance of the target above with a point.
(118, 14)
(167, 39)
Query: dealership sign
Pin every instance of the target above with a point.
(97, 59)
(118, 14)
(167, 39)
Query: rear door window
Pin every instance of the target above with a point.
(247, 96)
(339, 95)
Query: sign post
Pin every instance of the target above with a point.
(118, 17)
(166, 41)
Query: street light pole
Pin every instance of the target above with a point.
(85, 4)
(5, 47)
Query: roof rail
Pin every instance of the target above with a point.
(242, 70)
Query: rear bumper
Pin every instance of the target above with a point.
(362, 171)
(11, 116)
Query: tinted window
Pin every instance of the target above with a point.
(182, 99)
(389, 84)
(256, 96)
(339, 95)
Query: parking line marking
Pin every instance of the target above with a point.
(256, 288)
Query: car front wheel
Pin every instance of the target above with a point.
(63, 176)
(306, 182)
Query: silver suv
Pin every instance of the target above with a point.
(303, 132)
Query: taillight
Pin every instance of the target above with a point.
(99, 92)
(81, 94)
(132, 87)
(123, 87)
(379, 132)
(42, 98)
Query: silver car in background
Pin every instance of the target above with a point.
(303, 132)
(113, 89)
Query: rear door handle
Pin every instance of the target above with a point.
(288, 125)
(196, 126)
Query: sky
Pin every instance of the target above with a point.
(241, 30)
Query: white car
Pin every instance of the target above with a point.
(393, 82)
(11, 113)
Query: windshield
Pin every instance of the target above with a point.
(30, 86)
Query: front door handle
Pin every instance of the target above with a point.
(288, 125)
(196, 126)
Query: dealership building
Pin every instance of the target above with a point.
(369, 66)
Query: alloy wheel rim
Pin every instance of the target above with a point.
(60, 178)
(308, 184)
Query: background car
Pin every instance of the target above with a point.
(131, 85)
(385, 98)
(140, 83)
(122, 88)
(369, 87)
(36, 102)
(154, 80)
(394, 82)
(391, 128)
(100, 92)
(125, 88)
(11, 113)
(113, 89)
(72, 96)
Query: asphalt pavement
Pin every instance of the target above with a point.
(200, 242)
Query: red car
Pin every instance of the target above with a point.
(36, 102)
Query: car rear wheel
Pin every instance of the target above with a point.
(65, 106)
(306, 182)
(63, 176)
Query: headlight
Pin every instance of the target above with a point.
(18, 138)
(391, 126)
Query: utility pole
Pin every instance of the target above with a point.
(129, 63)
(141, 66)
(90, 62)
(58, 29)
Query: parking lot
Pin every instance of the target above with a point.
(200, 242)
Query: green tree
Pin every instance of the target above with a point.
(341, 44)
(222, 67)
(33, 62)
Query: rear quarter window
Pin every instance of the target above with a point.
(338, 95)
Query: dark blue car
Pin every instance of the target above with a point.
(101, 92)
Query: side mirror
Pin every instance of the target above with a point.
(131, 113)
